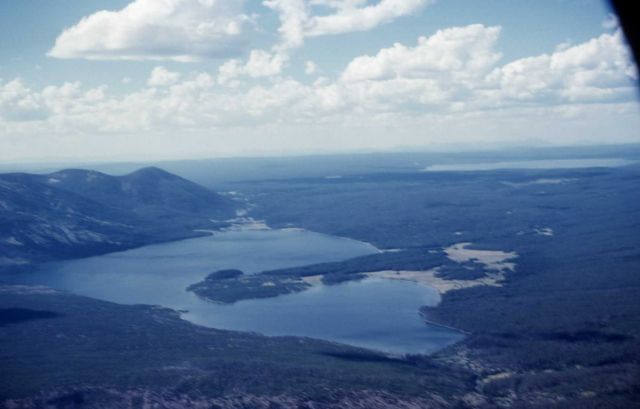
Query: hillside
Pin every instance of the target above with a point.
(75, 213)
(148, 192)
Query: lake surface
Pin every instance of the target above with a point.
(532, 164)
(377, 314)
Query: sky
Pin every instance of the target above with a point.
(177, 79)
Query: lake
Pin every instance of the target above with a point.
(374, 313)
(531, 164)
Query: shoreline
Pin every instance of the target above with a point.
(429, 278)
(437, 324)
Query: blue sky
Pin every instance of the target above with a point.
(152, 79)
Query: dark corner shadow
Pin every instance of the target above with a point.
(628, 17)
(10, 316)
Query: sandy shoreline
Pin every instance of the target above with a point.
(427, 278)
(430, 279)
(496, 264)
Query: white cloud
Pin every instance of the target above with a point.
(161, 77)
(454, 71)
(19, 103)
(293, 17)
(297, 19)
(598, 70)
(180, 30)
(49, 106)
(357, 15)
(457, 70)
(259, 64)
(456, 53)
(448, 85)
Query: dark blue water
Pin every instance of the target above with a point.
(378, 314)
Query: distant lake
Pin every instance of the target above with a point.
(377, 314)
(532, 164)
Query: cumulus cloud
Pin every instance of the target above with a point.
(457, 53)
(457, 69)
(180, 30)
(19, 103)
(448, 82)
(161, 77)
(600, 69)
(293, 17)
(298, 20)
(357, 15)
(259, 64)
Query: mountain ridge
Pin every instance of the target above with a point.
(77, 212)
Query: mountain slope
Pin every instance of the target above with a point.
(148, 192)
(75, 213)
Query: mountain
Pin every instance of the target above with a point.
(148, 192)
(76, 212)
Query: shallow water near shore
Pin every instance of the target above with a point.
(373, 313)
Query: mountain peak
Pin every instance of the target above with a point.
(77, 172)
(151, 171)
(74, 176)
(149, 192)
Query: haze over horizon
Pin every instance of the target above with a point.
(177, 79)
